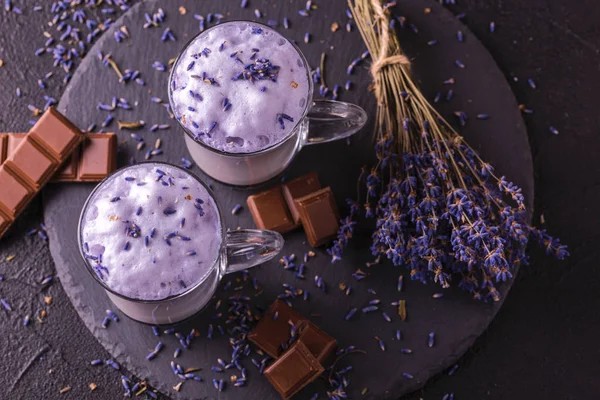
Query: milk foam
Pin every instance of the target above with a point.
(261, 111)
(178, 256)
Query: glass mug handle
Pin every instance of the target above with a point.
(332, 120)
(247, 248)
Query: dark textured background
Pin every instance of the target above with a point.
(543, 342)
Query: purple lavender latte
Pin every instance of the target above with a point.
(240, 87)
(151, 231)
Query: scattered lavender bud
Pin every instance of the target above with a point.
(351, 314)
(452, 370)
(112, 315)
(431, 339)
(5, 304)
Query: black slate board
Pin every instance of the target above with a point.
(456, 319)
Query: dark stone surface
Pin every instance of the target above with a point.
(540, 344)
(456, 319)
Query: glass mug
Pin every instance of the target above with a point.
(321, 121)
(238, 250)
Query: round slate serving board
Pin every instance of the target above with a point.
(456, 319)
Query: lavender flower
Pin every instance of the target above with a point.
(446, 216)
(439, 209)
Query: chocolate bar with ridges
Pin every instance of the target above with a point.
(31, 165)
(98, 157)
(15, 193)
(92, 161)
(56, 133)
(3, 146)
(5, 222)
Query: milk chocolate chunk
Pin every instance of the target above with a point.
(320, 344)
(14, 193)
(3, 147)
(275, 327)
(34, 161)
(319, 216)
(33, 164)
(99, 157)
(5, 222)
(68, 171)
(269, 211)
(56, 133)
(298, 188)
(295, 369)
(13, 141)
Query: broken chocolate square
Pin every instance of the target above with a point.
(294, 370)
(274, 329)
(270, 211)
(320, 344)
(319, 216)
(298, 188)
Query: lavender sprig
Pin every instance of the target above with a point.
(440, 210)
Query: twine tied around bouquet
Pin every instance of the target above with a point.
(384, 60)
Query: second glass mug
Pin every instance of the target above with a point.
(322, 121)
(240, 249)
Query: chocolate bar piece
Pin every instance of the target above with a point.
(4, 223)
(270, 211)
(92, 161)
(32, 162)
(56, 133)
(99, 157)
(297, 188)
(37, 157)
(294, 370)
(274, 328)
(68, 171)
(13, 141)
(14, 195)
(319, 216)
(3, 146)
(320, 344)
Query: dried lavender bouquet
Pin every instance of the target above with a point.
(440, 210)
